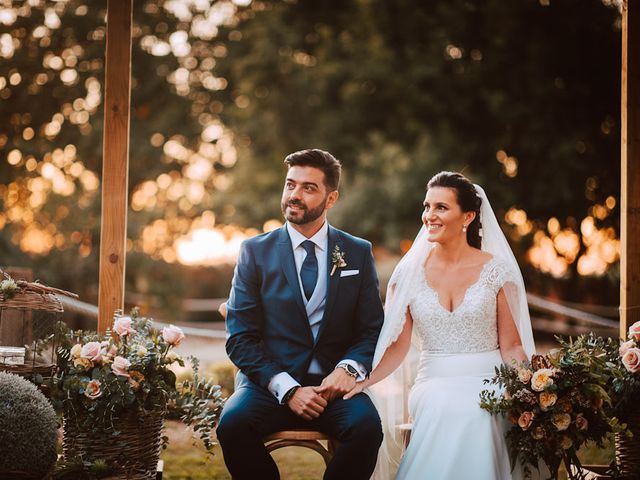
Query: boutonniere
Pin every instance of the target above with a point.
(337, 260)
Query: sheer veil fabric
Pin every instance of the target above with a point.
(390, 395)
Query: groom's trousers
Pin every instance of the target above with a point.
(252, 413)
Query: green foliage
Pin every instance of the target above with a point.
(28, 427)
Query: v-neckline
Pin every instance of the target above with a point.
(464, 297)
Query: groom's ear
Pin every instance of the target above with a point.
(332, 198)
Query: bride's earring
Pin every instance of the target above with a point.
(464, 228)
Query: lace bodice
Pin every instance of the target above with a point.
(472, 326)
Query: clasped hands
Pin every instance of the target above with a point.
(310, 402)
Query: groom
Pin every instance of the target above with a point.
(303, 319)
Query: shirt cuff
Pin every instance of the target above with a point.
(362, 372)
(281, 384)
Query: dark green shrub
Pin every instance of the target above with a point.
(28, 427)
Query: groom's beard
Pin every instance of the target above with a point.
(308, 215)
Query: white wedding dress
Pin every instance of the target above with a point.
(452, 437)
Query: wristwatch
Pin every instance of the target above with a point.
(349, 369)
(287, 396)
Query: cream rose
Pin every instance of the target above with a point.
(634, 331)
(541, 379)
(122, 326)
(172, 357)
(561, 421)
(525, 420)
(524, 375)
(631, 359)
(172, 335)
(626, 346)
(84, 363)
(547, 400)
(75, 350)
(120, 366)
(581, 422)
(92, 390)
(92, 351)
(142, 351)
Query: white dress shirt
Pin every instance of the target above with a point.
(283, 382)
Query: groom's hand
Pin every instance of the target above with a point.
(336, 384)
(307, 403)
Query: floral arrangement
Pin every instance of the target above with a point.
(556, 403)
(625, 363)
(126, 370)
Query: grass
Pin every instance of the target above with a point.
(184, 461)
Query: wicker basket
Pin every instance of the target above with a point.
(134, 453)
(30, 314)
(628, 449)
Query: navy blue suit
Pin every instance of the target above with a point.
(269, 332)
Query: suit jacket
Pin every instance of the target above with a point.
(267, 324)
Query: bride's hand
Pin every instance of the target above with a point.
(360, 386)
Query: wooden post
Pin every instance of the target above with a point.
(630, 171)
(115, 168)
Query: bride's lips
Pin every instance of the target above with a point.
(433, 227)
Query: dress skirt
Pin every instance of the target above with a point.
(452, 437)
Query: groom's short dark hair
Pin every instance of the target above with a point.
(320, 159)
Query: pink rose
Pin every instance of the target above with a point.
(634, 331)
(122, 326)
(120, 366)
(631, 359)
(91, 351)
(581, 422)
(525, 420)
(626, 346)
(172, 335)
(92, 390)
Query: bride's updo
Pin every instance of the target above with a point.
(468, 200)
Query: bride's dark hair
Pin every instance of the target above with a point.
(468, 200)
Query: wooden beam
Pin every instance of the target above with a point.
(630, 169)
(115, 168)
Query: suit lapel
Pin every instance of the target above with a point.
(332, 280)
(289, 268)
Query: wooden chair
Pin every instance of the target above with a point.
(302, 438)
(296, 438)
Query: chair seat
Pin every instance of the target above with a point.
(297, 435)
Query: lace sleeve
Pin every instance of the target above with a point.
(500, 274)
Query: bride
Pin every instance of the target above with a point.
(459, 293)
